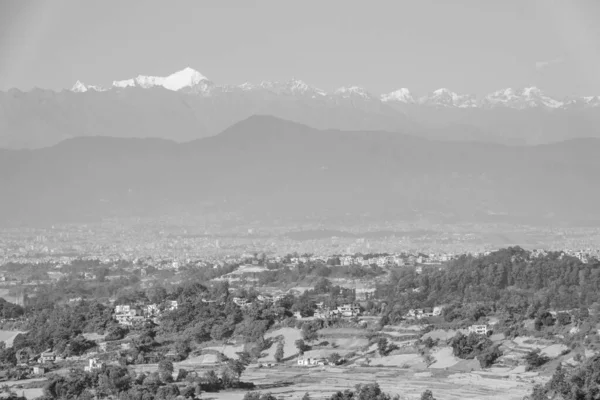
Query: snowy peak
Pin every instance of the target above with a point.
(292, 87)
(445, 98)
(186, 78)
(520, 99)
(80, 87)
(353, 91)
(402, 95)
(190, 81)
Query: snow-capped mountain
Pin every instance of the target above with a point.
(186, 78)
(402, 95)
(520, 99)
(446, 98)
(353, 92)
(290, 88)
(186, 105)
(190, 81)
(79, 87)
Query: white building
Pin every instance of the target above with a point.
(478, 329)
(93, 364)
(349, 310)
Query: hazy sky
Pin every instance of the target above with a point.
(471, 46)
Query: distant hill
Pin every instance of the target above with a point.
(268, 167)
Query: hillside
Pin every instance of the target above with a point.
(267, 167)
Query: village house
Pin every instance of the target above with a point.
(47, 356)
(38, 371)
(363, 294)
(264, 298)
(152, 310)
(349, 310)
(437, 311)
(478, 329)
(93, 364)
(241, 301)
(124, 314)
(309, 361)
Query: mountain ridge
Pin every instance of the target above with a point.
(200, 108)
(264, 167)
(188, 79)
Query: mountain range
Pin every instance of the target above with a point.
(189, 80)
(266, 167)
(186, 105)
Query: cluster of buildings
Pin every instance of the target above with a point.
(128, 315)
(345, 311)
(261, 298)
(397, 260)
(479, 329)
(314, 361)
(419, 313)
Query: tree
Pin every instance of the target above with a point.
(427, 395)
(301, 346)
(182, 348)
(279, 352)
(469, 347)
(244, 357)
(489, 356)
(370, 391)
(181, 374)
(188, 392)
(116, 333)
(535, 359)
(237, 367)
(157, 294)
(211, 381)
(334, 358)
(309, 332)
(382, 345)
(563, 319)
(165, 369)
(429, 342)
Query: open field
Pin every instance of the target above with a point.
(289, 335)
(321, 382)
(8, 337)
(403, 372)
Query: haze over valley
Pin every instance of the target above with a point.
(299, 200)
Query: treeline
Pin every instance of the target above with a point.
(120, 382)
(579, 383)
(280, 273)
(10, 310)
(60, 328)
(510, 278)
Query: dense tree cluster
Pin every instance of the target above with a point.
(579, 383)
(60, 328)
(281, 274)
(120, 382)
(475, 346)
(10, 310)
(510, 279)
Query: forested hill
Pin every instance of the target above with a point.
(510, 278)
(272, 168)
